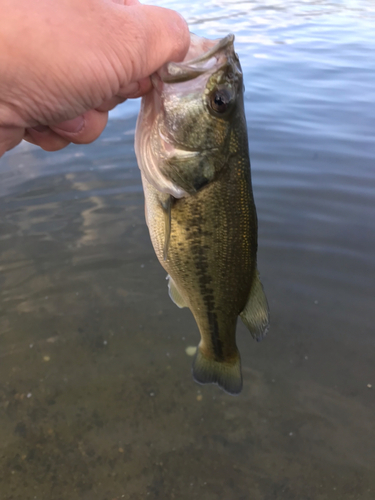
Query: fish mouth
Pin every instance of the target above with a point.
(204, 57)
(213, 55)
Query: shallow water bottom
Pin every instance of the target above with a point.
(96, 396)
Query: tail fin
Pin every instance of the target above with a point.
(226, 375)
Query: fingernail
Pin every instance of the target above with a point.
(72, 126)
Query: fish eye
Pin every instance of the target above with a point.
(220, 101)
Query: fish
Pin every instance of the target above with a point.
(191, 144)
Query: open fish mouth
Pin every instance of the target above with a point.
(203, 56)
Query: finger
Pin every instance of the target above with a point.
(131, 91)
(111, 103)
(157, 35)
(126, 2)
(167, 34)
(45, 138)
(137, 89)
(83, 129)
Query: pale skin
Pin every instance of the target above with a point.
(65, 63)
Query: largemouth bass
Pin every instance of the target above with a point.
(192, 149)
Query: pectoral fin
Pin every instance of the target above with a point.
(256, 314)
(175, 294)
(167, 209)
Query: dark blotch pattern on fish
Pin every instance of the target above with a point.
(199, 253)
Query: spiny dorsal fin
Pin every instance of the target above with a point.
(175, 294)
(256, 314)
(167, 208)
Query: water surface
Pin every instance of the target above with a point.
(96, 396)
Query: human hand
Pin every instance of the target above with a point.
(65, 64)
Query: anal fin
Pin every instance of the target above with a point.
(175, 294)
(256, 313)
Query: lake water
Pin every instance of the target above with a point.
(97, 401)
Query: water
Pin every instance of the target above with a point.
(96, 397)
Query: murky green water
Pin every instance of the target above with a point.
(96, 396)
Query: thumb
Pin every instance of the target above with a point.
(151, 36)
